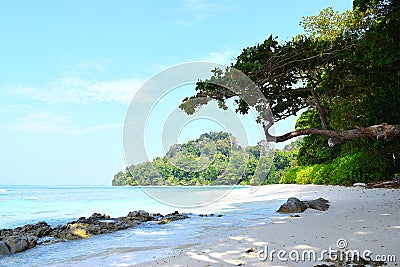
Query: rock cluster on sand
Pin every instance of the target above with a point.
(294, 205)
(389, 184)
(30, 235)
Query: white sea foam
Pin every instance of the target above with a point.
(3, 190)
(30, 198)
(156, 232)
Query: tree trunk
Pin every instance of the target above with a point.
(321, 110)
(380, 131)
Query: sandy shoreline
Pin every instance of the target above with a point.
(368, 219)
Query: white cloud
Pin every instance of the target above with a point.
(194, 11)
(49, 122)
(198, 9)
(184, 23)
(222, 57)
(90, 65)
(74, 90)
(86, 68)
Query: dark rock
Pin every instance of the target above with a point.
(94, 218)
(32, 241)
(6, 232)
(140, 215)
(156, 216)
(206, 215)
(132, 214)
(143, 213)
(39, 230)
(82, 220)
(176, 216)
(210, 215)
(30, 235)
(57, 230)
(318, 204)
(292, 205)
(16, 243)
(249, 250)
(97, 216)
(47, 240)
(4, 249)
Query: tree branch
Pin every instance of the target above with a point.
(381, 131)
(321, 109)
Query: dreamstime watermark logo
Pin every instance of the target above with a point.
(154, 122)
(341, 253)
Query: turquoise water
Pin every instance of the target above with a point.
(20, 205)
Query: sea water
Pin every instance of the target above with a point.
(20, 205)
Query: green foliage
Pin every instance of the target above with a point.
(315, 148)
(330, 24)
(371, 97)
(214, 158)
(343, 170)
(358, 160)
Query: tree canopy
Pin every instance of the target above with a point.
(345, 67)
(214, 158)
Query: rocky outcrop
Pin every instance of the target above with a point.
(317, 204)
(210, 215)
(39, 229)
(19, 243)
(4, 250)
(294, 205)
(30, 235)
(172, 217)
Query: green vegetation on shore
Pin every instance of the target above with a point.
(214, 158)
(358, 160)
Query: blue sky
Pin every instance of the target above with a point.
(69, 70)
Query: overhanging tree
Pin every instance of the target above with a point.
(346, 67)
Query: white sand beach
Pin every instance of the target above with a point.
(365, 219)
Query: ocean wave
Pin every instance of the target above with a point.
(3, 190)
(30, 198)
(156, 232)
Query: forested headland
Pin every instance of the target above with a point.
(215, 158)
